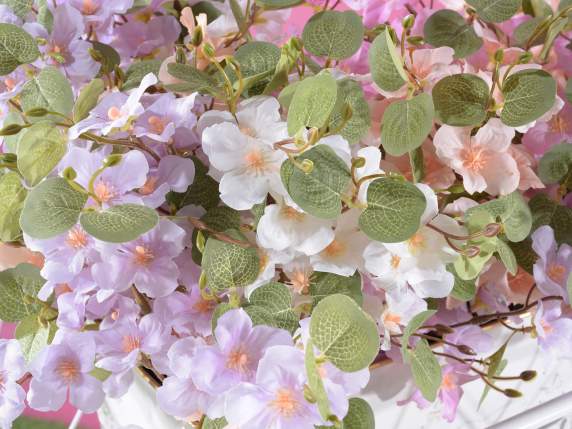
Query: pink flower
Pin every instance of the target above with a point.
(546, 134)
(484, 160)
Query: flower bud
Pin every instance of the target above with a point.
(95, 55)
(209, 50)
(8, 157)
(200, 241)
(528, 375)
(358, 162)
(525, 57)
(296, 43)
(466, 350)
(444, 329)
(512, 393)
(499, 55)
(408, 22)
(10, 130)
(112, 160)
(180, 57)
(307, 166)
(492, 230)
(197, 37)
(69, 173)
(36, 112)
(309, 395)
(415, 40)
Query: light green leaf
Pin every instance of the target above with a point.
(394, 209)
(219, 423)
(138, 70)
(259, 315)
(110, 57)
(320, 191)
(417, 163)
(447, 28)
(276, 298)
(33, 337)
(18, 288)
(44, 16)
(507, 257)
(278, 4)
(555, 165)
(41, 148)
(495, 367)
(406, 124)
(461, 100)
(27, 423)
(326, 284)
(344, 334)
(49, 89)
(16, 47)
(463, 290)
(525, 30)
(52, 207)
(312, 103)
(12, 196)
(360, 415)
(546, 211)
(194, 80)
(414, 324)
(350, 93)
(21, 8)
(202, 192)
(219, 310)
(119, 224)
(332, 34)
(495, 10)
(385, 64)
(257, 60)
(470, 268)
(228, 265)
(10, 143)
(525, 256)
(315, 381)
(528, 94)
(426, 370)
(553, 32)
(87, 99)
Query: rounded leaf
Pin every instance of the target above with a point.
(461, 100)
(448, 28)
(257, 61)
(16, 47)
(556, 164)
(385, 64)
(49, 89)
(350, 94)
(495, 10)
(12, 196)
(360, 415)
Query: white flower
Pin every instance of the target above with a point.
(372, 156)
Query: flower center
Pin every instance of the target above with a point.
(300, 281)
(130, 343)
(449, 382)
(203, 306)
(395, 261)
(559, 125)
(10, 83)
(474, 159)
(149, 186)
(556, 272)
(248, 131)
(89, 7)
(143, 255)
(416, 242)
(157, 124)
(77, 238)
(285, 403)
(546, 326)
(104, 191)
(114, 113)
(68, 370)
(255, 161)
(291, 213)
(335, 248)
(238, 360)
(391, 318)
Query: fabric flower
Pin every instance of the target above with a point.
(12, 369)
(553, 329)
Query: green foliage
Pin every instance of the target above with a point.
(334, 35)
(34, 336)
(326, 284)
(219, 423)
(360, 415)
(555, 166)
(394, 209)
(27, 423)
(257, 62)
(119, 224)
(44, 16)
(528, 94)
(87, 99)
(276, 299)
(350, 93)
(16, 47)
(312, 103)
(320, 191)
(426, 370)
(525, 255)
(40, 149)
(414, 324)
(18, 289)
(138, 70)
(109, 57)
(278, 4)
(463, 290)
(406, 124)
(344, 334)
(228, 265)
(495, 10)
(525, 29)
(385, 64)
(447, 28)
(10, 143)
(51, 208)
(507, 257)
(49, 89)
(20, 7)
(219, 310)
(12, 196)
(194, 80)
(315, 382)
(461, 100)
(470, 268)
(546, 211)
(202, 192)
(496, 365)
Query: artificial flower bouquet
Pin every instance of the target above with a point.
(253, 212)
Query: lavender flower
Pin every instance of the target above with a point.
(553, 329)
(12, 368)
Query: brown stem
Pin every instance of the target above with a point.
(199, 224)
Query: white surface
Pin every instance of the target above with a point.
(537, 409)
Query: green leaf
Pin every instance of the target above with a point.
(545, 211)
(21, 8)
(326, 284)
(27, 423)
(202, 192)
(51, 90)
(312, 103)
(470, 268)
(16, 47)
(10, 143)
(259, 315)
(350, 93)
(138, 70)
(41, 148)
(256, 59)
(507, 257)
(525, 30)
(344, 334)
(52, 207)
(525, 256)
(414, 324)
(406, 124)
(12, 196)
(426, 370)
(495, 367)
(87, 99)
(194, 80)
(276, 298)
(528, 94)
(556, 164)
(278, 4)
(332, 34)
(417, 163)
(228, 265)
(385, 64)
(44, 16)
(448, 28)
(315, 381)
(394, 209)
(119, 224)
(219, 423)
(553, 32)
(320, 191)
(110, 58)
(463, 290)
(360, 415)
(461, 100)
(18, 288)
(33, 336)
(495, 10)
(219, 310)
